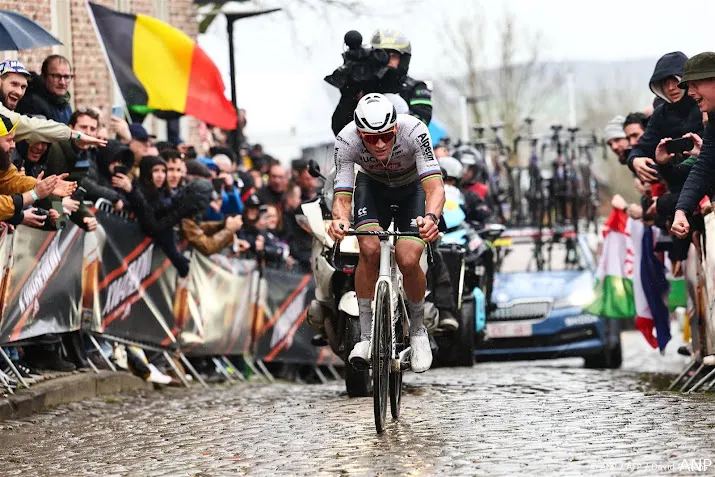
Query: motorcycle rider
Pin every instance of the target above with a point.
(416, 93)
(396, 167)
(474, 207)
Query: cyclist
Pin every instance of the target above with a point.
(396, 166)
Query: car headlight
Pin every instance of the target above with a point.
(578, 298)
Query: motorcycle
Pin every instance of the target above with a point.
(334, 311)
(466, 248)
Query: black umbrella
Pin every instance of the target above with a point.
(20, 33)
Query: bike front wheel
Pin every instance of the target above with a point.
(402, 340)
(381, 354)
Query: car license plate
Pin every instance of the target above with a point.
(509, 330)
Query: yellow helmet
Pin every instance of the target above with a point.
(391, 39)
(7, 126)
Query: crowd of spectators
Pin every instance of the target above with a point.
(221, 195)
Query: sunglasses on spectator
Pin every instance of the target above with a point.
(57, 77)
(373, 139)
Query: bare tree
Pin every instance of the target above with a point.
(519, 84)
(465, 47)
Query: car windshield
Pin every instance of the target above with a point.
(531, 256)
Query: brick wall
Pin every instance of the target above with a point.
(93, 84)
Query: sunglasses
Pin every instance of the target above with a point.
(373, 139)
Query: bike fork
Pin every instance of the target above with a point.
(386, 276)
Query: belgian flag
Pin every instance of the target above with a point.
(158, 67)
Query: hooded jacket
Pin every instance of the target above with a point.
(189, 202)
(38, 100)
(671, 119)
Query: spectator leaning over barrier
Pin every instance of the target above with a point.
(48, 93)
(151, 202)
(616, 138)
(18, 191)
(98, 181)
(699, 79)
(678, 116)
(633, 127)
(69, 157)
(13, 83)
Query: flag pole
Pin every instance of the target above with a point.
(109, 63)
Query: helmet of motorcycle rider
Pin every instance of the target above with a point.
(375, 114)
(398, 102)
(472, 160)
(452, 168)
(389, 39)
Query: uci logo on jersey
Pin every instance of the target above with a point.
(423, 139)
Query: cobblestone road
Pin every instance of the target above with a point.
(539, 418)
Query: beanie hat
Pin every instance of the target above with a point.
(614, 129)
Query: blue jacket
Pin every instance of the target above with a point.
(232, 205)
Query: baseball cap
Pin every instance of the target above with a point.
(699, 67)
(139, 132)
(13, 66)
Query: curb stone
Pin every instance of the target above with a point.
(68, 389)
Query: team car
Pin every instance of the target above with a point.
(543, 281)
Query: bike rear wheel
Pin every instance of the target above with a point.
(381, 354)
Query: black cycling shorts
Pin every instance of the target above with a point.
(373, 200)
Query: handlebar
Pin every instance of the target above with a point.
(383, 234)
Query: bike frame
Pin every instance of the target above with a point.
(387, 274)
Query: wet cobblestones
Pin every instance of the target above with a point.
(537, 418)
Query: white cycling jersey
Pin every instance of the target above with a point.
(412, 157)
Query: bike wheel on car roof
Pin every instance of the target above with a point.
(381, 354)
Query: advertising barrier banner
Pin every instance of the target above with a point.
(282, 335)
(44, 285)
(214, 308)
(136, 286)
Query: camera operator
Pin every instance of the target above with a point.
(381, 69)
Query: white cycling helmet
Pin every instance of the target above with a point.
(452, 167)
(375, 114)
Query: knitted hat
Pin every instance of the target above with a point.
(614, 129)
